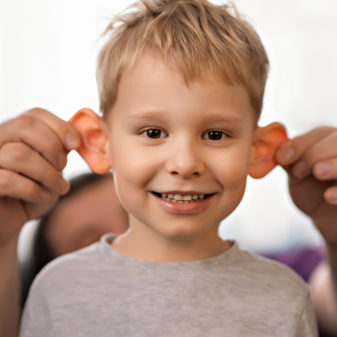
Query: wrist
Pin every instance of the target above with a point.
(8, 251)
(9, 233)
(9, 288)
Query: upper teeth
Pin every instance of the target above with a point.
(180, 197)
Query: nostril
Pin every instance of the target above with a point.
(175, 173)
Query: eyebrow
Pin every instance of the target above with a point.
(210, 117)
(147, 114)
(225, 117)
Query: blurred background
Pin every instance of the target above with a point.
(48, 55)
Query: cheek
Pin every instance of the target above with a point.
(128, 195)
(132, 169)
(125, 156)
(232, 167)
(133, 164)
(132, 172)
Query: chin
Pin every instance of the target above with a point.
(184, 232)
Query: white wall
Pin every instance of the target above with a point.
(47, 58)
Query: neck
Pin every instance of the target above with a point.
(143, 243)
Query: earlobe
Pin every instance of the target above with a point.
(267, 141)
(93, 148)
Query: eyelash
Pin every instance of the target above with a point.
(222, 134)
(146, 133)
(159, 133)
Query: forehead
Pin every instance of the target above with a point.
(152, 85)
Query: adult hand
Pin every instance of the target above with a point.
(33, 152)
(311, 162)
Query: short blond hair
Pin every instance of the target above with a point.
(196, 36)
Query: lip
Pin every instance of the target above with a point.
(181, 208)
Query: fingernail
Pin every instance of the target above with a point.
(332, 195)
(287, 154)
(300, 169)
(71, 141)
(323, 169)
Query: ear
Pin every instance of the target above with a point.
(267, 140)
(93, 139)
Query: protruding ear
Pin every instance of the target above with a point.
(93, 139)
(267, 140)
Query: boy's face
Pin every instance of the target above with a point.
(168, 141)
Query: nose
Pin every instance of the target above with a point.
(185, 160)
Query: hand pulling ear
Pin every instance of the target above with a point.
(267, 140)
(93, 140)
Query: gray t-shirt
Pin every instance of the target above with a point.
(98, 292)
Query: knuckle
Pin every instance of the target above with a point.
(24, 121)
(37, 111)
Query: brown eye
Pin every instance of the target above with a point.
(154, 133)
(214, 135)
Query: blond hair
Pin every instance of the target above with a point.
(196, 36)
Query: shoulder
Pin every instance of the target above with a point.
(264, 289)
(268, 275)
(275, 285)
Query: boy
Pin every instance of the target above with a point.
(181, 86)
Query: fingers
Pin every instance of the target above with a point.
(33, 152)
(21, 159)
(19, 187)
(43, 132)
(313, 152)
(66, 132)
(330, 195)
(326, 169)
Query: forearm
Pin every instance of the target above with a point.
(9, 290)
(332, 254)
(324, 292)
(332, 258)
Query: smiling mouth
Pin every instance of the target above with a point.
(182, 198)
